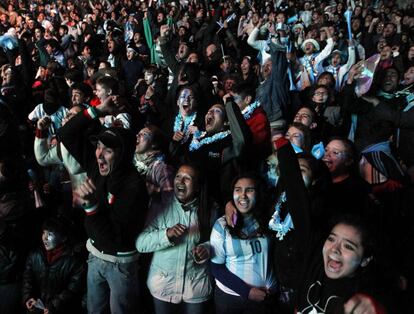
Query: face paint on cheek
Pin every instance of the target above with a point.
(52, 241)
(354, 263)
(236, 198)
(183, 99)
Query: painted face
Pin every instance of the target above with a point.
(186, 102)
(335, 157)
(244, 195)
(409, 76)
(214, 119)
(51, 240)
(320, 96)
(304, 116)
(101, 92)
(295, 136)
(343, 252)
(144, 141)
(185, 184)
(105, 158)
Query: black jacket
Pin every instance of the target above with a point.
(59, 285)
(122, 196)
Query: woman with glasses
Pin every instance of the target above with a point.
(348, 192)
(240, 264)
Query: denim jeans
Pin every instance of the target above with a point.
(230, 304)
(162, 307)
(112, 287)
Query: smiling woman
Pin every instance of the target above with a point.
(240, 261)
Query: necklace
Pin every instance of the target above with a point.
(281, 227)
(248, 111)
(196, 143)
(182, 125)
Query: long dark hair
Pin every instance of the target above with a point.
(259, 211)
(205, 203)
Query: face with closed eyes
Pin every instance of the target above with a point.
(214, 119)
(343, 252)
(244, 195)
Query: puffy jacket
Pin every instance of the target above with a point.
(59, 285)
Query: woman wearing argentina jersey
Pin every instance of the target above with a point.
(240, 253)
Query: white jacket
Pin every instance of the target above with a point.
(49, 155)
(174, 276)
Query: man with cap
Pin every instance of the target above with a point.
(312, 59)
(115, 201)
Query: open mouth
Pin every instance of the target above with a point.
(209, 121)
(333, 265)
(180, 188)
(102, 165)
(244, 203)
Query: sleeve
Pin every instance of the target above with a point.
(280, 95)
(346, 67)
(28, 280)
(44, 154)
(240, 132)
(74, 138)
(218, 259)
(325, 52)
(73, 290)
(172, 63)
(36, 114)
(296, 192)
(154, 237)
(353, 104)
(256, 44)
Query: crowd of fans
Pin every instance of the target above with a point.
(242, 156)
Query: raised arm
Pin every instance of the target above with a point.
(296, 192)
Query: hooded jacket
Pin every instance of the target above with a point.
(121, 196)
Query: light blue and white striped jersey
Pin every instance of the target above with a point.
(247, 259)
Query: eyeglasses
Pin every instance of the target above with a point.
(321, 93)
